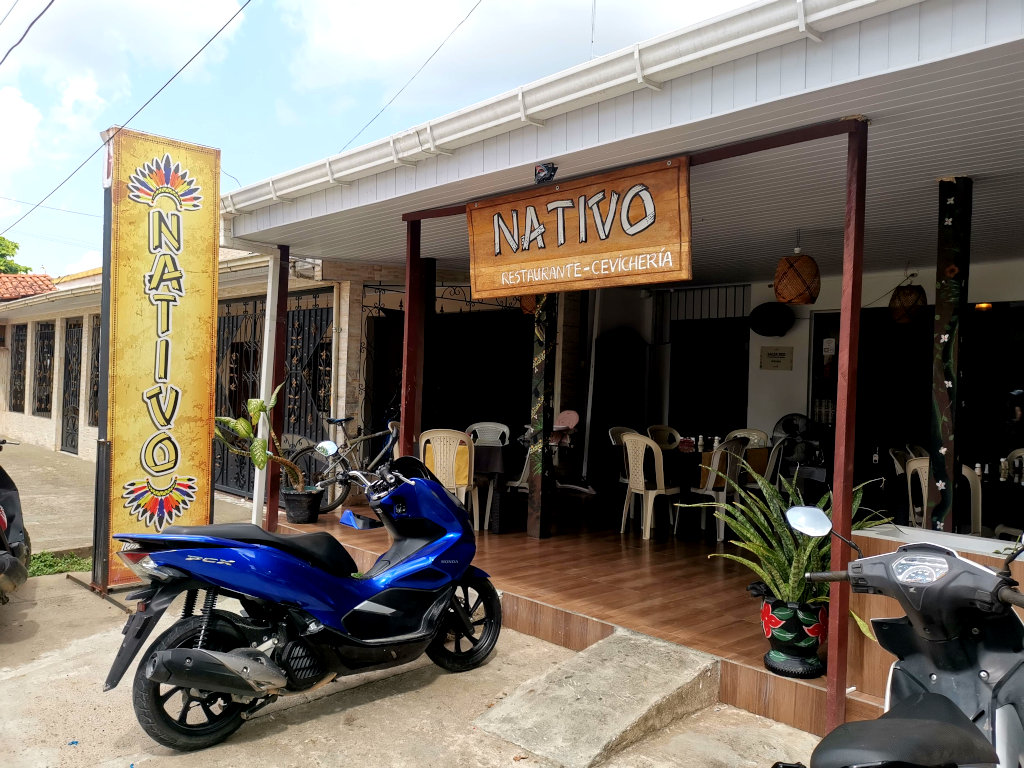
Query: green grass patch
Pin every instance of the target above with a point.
(46, 563)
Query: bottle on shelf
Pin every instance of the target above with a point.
(700, 443)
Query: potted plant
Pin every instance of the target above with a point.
(794, 612)
(240, 436)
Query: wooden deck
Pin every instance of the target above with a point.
(572, 588)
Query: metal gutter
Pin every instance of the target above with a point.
(763, 25)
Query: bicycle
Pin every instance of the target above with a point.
(327, 464)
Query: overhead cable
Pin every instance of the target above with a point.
(23, 34)
(125, 123)
(381, 110)
(8, 12)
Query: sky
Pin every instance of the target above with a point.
(287, 83)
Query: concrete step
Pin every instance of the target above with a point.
(605, 698)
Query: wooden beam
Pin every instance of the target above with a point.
(542, 416)
(412, 351)
(846, 401)
(280, 327)
(773, 141)
(952, 269)
(435, 213)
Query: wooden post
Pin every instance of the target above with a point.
(846, 400)
(542, 417)
(280, 326)
(412, 354)
(952, 269)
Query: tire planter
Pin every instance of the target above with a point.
(302, 506)
(795, 631)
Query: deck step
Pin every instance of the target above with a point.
(605, 698)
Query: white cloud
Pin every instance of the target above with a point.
(80, 103)
(18, 130)
(88, 260)
(345, 45)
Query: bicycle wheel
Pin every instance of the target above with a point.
(319, 469)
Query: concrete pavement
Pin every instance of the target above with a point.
(57, 493)
(57, 641)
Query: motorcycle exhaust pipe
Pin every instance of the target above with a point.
(244, 672)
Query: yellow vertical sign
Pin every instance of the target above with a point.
(163, 325)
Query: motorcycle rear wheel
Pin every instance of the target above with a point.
(172, 715)
(456, 650)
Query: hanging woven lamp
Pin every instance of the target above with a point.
(906, 301)
(528, 304)
(797, 280)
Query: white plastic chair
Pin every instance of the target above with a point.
(636, 446)
(725, 460)
(615, 435)
(757, 438)
(899, 460)
(1013, 455)
(444, 444)
(975, 483)
(771, 469)
(920, 467)
(488, 433)
(666, 437)
(493, 434)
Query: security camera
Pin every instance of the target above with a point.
(544, 173)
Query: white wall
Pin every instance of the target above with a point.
(772, 394)
(45, 431)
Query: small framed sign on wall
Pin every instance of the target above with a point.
(776, 358)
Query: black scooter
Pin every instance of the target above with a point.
(955, 695)
(15, 546)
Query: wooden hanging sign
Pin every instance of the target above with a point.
(624, 227)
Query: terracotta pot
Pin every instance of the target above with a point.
(302, 506)
(796, 632)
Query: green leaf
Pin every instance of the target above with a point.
(783, 613)
(254, 407)
(258, 453)
(807, 641)
(273, 397)
(233, 425)
(863, 626)
(782, 635)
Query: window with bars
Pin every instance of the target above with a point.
(42, 376)
(94, 373)
(19, 350)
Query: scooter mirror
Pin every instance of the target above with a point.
(810, 520)
(327, 448)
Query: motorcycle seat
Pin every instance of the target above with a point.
(926, 730)
(319, 549)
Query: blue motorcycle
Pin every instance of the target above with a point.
(306, 614)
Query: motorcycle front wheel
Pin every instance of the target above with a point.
(454, 648)
(186, 719)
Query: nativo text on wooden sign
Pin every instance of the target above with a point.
(624, 227)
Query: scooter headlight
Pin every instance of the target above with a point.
(142, 565)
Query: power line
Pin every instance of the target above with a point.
(125, 123)
(51, 208)
(8, 12)
(381, 110)
(23, 34)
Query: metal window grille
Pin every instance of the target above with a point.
(19, 350)
(42, 375)
(711, 303)
(94, 373)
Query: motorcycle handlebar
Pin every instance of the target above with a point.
(828, 576)
(1011, 596)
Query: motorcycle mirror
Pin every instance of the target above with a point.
(810, 520)
(327, 448)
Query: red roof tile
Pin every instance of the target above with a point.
(19, 286)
